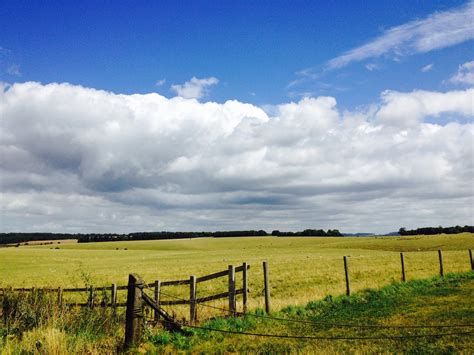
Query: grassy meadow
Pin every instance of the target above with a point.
(307, 283)
(435, 301)
(301, 268)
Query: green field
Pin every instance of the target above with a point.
(301, 268)
(437, 301)
(304, 271)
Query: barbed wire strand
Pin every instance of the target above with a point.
(335, 325)
(316, 337)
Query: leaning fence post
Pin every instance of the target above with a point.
(346, 271)
(245, 287)
(157, 297)
(402, 259)
(472, 262)
(134, 313)
(266, 282)
(232, 290)
(440, 256)
(192, 298)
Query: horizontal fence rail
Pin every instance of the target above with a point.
(112, 301)
(123, 287)
(202, 299)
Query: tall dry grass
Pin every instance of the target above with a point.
(34, 322)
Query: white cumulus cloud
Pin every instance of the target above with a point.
(464, 75)
(402, 109)
(194, 88)
(80, 159)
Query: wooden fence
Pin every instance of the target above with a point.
(193, 281)
(92, 292)
(157, 286)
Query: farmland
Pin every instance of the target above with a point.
(306, 281)
(301, 269)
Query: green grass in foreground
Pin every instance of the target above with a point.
(445, 301)
(42, 327)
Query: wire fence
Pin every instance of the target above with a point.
(336, 325)
(314, 337)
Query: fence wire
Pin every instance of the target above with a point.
(328, 324)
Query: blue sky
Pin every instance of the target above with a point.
(254, 48)
(121, 116)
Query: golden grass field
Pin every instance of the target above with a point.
(301, 268)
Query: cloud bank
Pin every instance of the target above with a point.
(438, 30)
(80, 160)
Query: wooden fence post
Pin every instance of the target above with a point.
(134, 313)
(5, 294)
(157, 297)
(91, 296)
(346, 271)
(440, 256)
(245, 287)
(113, 298)
(472, 262)
(60, 296)
(4, 313)
(232, 290)
(266, 282)
(402, 259)
(192, 299)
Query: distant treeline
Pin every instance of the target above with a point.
(168, 235)
(218, 234)
(437, 230)
(15, 238)
(309, 233)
